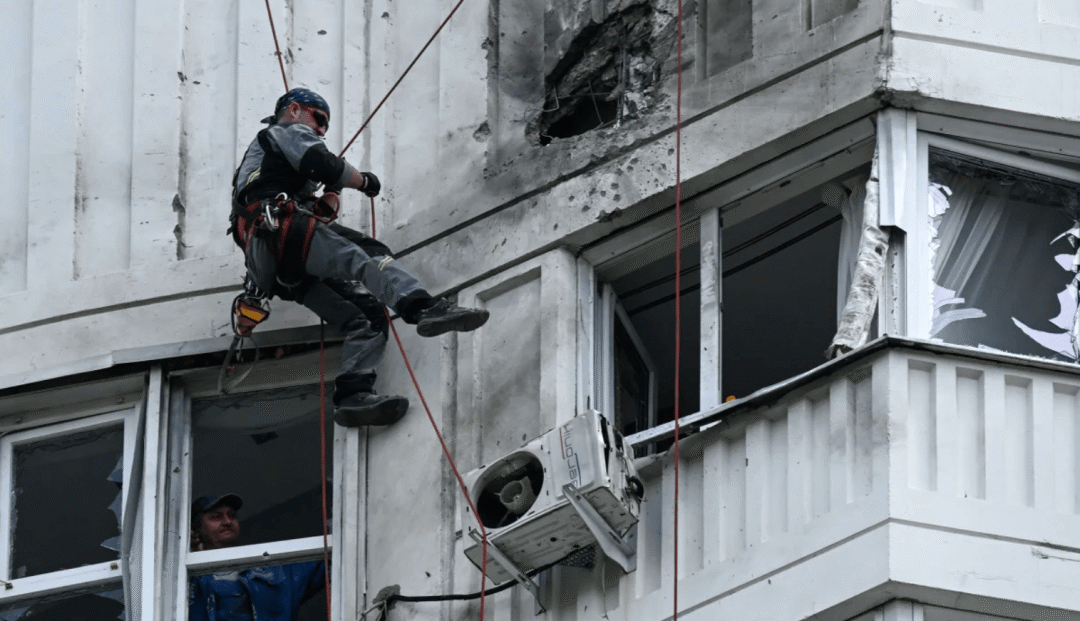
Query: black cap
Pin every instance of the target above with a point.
(205, 503)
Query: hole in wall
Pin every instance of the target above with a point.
(606, 75)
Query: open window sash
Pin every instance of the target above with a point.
(627, 379)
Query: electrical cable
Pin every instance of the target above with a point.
(459, 597)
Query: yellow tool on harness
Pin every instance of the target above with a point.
(248, 312)
(249, 309)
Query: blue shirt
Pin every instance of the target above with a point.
(256, 594)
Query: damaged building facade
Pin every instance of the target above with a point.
(878, 384)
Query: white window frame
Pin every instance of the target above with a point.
(704, 216)
(971, 138)
(609, 310)
(68, 579)
(346, 512)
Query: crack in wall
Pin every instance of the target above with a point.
(178, 230)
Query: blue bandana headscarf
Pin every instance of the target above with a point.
(303, 96)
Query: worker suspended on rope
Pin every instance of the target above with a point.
(295, 250)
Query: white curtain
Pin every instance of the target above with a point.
(847, 197)
(863, 248)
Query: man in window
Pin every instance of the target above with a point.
(262, 593)
(295, 250)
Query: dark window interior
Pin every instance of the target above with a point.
(77, 522)
(631, 384)
(648, 295)
(780, 293)
(780, 303)
(264, 447)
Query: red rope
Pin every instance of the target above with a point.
(453, 466)
(322, 462)
(416, 383)
(442, 443)
(678, 303)
(405, 73)
(276, 46)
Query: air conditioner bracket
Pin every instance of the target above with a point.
(497, 555)
(616, 547)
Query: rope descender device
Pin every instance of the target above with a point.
(249, 309)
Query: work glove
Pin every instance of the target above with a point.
(371, 184)
(328, 205)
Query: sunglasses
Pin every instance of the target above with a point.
(320, 117)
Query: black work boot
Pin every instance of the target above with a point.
(366, 408)
(442, 317)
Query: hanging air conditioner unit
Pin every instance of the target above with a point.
(570, 488)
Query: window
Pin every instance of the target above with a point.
(782, 263)
(1003, 234)
(62, 507)
(263, 446)
(635, 357)
(782, 292)
(628, 376)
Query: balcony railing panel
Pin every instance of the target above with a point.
(845, 467)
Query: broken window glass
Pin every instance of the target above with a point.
(67, 501)
(264, 447)
(1004, 253)
(103, 605)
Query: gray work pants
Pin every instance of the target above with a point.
(340, 258)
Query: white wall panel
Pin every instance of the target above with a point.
(107, 116)
(517, 373)
(155, 174)
(53, 121)
(16, 29)
(208, 127)
(258, 76)
(1060, 12)
(1014, 56)
(412, 115)
(1067, 448)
